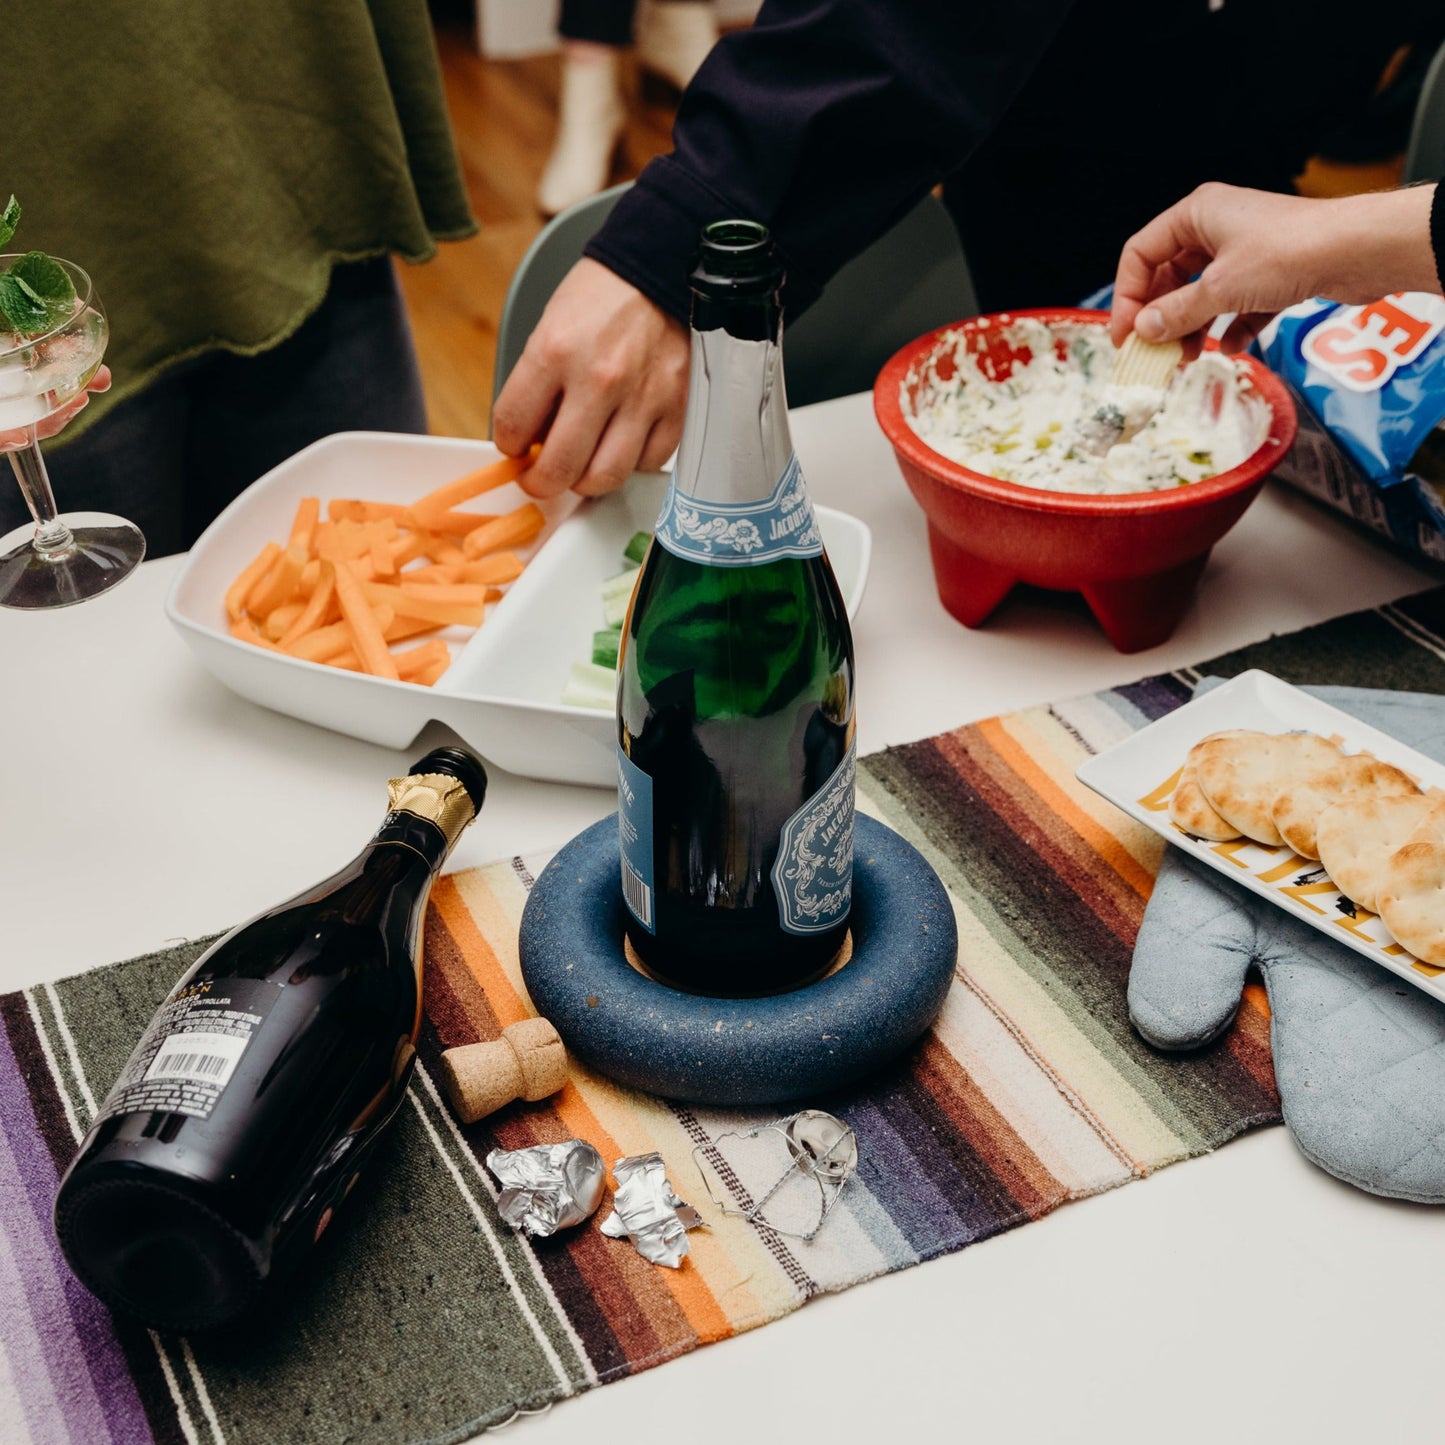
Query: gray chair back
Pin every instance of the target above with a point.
(1425, 158)
(907, 282)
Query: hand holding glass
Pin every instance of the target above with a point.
(61, 560)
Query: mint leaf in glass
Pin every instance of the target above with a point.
(9, 219)
(21, 311)
(49, 282)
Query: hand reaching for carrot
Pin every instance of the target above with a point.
(343, 588)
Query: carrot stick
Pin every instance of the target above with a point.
(421, 659)
(247, 631)
(278, 619)
(435, 572)
(352, 538)
(347, 660)
(314, 613)
(450, 613)
(331, 641)
(472, 594)
(452, 524)
(304, 527)
(382, 562)
(442, 549)
(495, 474)
(237, 592)
(511, 529)
(491, 571)
(407, 548)
(432, 673)
(365, 628)
(404, 627)
(279, 584)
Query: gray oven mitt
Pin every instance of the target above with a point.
(1359, 1054)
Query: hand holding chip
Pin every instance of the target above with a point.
(1226, 249)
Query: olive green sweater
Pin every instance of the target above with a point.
(207, 161)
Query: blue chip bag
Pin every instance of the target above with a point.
(1371, 383)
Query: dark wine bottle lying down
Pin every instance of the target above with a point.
(254, 1098)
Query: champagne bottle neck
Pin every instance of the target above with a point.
(418, 836)
(735, 438)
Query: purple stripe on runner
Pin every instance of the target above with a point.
(1155, 696)
(930, 1220)
(71, 1330)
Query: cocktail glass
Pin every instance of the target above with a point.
(60, 560)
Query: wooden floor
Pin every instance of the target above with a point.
(502, 113)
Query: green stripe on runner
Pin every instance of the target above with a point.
(960, 850)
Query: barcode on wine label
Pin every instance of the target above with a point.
(637, 894)
(208, 1058)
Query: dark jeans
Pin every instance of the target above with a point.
(173, 456)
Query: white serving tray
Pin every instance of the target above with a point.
(1139, 775)
(501, 693)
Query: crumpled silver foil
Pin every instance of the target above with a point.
(549, 1186)
(648, 1212)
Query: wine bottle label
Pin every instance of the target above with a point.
(813, 875)
(634, 826)
(742, 534)
(188, 1054)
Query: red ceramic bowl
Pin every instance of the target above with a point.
(1135, 558)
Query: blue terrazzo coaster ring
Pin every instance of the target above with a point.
(739, 1051)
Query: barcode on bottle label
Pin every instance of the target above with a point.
(187, 1056)
(207, 1058)
(634, 837)
(637, 895)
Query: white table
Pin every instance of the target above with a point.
(1245, 1292)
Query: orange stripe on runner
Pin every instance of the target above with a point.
(478, 954)
(1098, 838)
(694, 1298)
(1257, 998)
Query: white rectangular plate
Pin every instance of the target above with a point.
(1139, 774)
(502, 692)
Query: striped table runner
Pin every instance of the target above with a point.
(426, 1321)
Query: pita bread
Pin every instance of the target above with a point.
(1357, 839)
(1189, 808)
(1297, 810)
(1412, 897)
(1242, 773)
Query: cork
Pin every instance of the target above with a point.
(527, 1062)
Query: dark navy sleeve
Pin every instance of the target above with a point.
(827, 120)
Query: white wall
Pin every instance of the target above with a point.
(507, 29)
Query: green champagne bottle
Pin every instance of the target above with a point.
(735, 694)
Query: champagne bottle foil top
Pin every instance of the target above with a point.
(646, 1210)
(549, 1186)
(437, 797)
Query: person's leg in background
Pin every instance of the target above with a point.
(174, 456)
(673, 38)
(350, 366)
(131, 463)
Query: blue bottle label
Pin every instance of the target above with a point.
(742, 534)
(813, 876)
(634, 826)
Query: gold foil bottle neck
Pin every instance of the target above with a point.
(437, 797)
